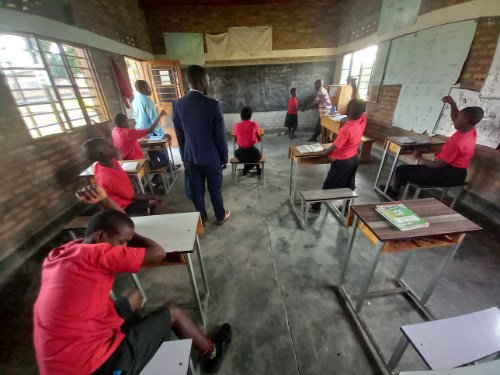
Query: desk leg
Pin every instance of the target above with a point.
(194, 286)
(141, 186)
(294, 187)
(291, 176)
(404, 263)
(202, 266)
(361, 300)
(397, 353)
(141, 289)
(386, 149)
(389, 178)
(350, 242)
(439, 272)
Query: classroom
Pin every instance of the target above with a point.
(241, 187)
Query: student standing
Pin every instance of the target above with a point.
(291, 119)
(344, 150)
(200, 130)
(247, 134)
(78, 329)
(322, 101)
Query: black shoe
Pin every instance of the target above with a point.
(293, 136)
(245, 171)
(222, 341)
(259, 171)
(315, 208)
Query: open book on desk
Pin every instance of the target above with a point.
(310, 149)
(155, 138)
(129, 166)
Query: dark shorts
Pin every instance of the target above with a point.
(143, 338)
(291, 121)
(137, 207)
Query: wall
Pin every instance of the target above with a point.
(484, 174)
(295, 26)
(272, 121)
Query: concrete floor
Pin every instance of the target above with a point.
(273, 281)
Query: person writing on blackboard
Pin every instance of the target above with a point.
(321, 101)
(449, 167)
(344, 150)
(247, 134)
(200, 130)
(291, 119)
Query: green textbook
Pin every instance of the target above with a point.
(401, 216)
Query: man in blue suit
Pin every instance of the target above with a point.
(201, 134)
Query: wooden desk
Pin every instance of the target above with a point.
(137, 174)
(328, 124)
(447, 228)
(393, 145)
(178, 233)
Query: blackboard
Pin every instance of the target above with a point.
(266, 87)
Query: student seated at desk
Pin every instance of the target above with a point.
(125, 139)
(344, 150)
(449, 168)
(247, 134)
(78, 329)
(113, 179)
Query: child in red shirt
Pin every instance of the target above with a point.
(449, 168)
(291, 119)
(125, 137)
(113, 179)
(247, 134)
(344, 150)
(77, 327)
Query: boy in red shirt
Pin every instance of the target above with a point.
(449, 168)
(113, 179)
(125, 137)
(79, 330)
(247, 134)
(344, 150)
(291, 119)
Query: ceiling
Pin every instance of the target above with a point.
(159, 3)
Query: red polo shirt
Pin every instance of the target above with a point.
(76, 326)
(293, 105)
(246, 133)
(348, 139)
(459, 149)
(115, 183)
(125, 140)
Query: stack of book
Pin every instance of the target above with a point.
(401, 216)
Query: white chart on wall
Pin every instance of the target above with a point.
(488, 130)
(491, 87)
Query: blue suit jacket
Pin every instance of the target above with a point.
(200, 130)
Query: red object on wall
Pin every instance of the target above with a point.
(123, 83)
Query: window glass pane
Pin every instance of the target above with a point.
(343, 76)
(346, 61)
(48, 130)
(19, 51)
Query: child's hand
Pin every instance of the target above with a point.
(91, 194)
(169, 137)
(163, 113)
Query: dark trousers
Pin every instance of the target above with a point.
(198, 176)
(425, 176)
(342, 174)
(317, 130)
(158, 158)
(248, 155)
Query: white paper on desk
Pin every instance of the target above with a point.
(130, 166)
(155, 138)
(305, 149)
(338, 117)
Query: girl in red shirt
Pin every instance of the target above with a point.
(291, 119)
(247, 134)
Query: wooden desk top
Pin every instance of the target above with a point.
(421, 140)
(89, 172)
(442, 220)
(149, 142)
(292, 150)
(176, 233)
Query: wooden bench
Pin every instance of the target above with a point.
(234, 165)
(452, 342)
(418, 188)
(173, 358)
(365, 149)
(327, 196)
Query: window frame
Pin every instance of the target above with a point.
(362, 68)
(58, 107)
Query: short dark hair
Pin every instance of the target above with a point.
(195, 74)
(355, 108)
(139, 84)
(246, 113)
(93, 147)
(110, 222)
(473, 115)
(292, 90)
(120, 119)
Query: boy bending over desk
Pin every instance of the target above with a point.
(344, 150)
(449, 168)
(113, 179)
(247, 134)
(77, 327)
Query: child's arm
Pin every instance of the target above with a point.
(434, 164)
(153, 126)
(94, 194)
(154, 252)
(454, 109)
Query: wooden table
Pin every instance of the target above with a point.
(137, 174)
(328, 124)
(178, 233)
(447, 228)
(164, 144)
(393, 145)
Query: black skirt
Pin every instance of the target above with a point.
(291, 121)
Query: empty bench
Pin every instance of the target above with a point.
(418, 188)
(234, 165)
(365, 149)
(326, 196)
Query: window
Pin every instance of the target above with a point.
(359, 65)
(134, 70)
(53, 83)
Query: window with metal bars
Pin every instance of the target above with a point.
(359, 65)
(53, 84)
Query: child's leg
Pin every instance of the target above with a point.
(134, 298)
(184, 327)
(154, 206)
(419, 174)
